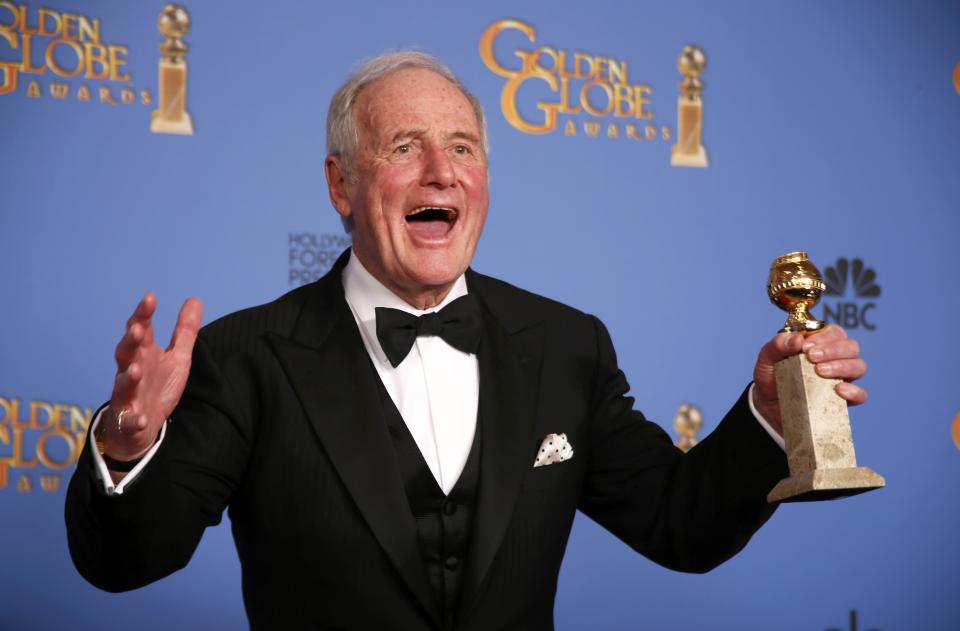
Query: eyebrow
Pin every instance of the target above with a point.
(465, 135)
(407, 133)
(415, 133)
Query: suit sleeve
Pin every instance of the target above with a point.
(124, 541)
(689, 512)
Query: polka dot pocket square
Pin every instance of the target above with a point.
(554, 448)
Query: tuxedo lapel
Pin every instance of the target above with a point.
(329, 369)
(510, 357)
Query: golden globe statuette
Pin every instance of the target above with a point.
(816, 424)
(171, 116)
(689, 150)
(687, 421)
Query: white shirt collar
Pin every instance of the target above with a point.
(364, 294)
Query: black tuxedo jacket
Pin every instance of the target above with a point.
(281, 425)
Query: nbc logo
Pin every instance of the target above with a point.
(842, 279)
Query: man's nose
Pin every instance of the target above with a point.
(438, 169)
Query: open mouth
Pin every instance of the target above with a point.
(431, 222)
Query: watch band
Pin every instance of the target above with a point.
(123, 466)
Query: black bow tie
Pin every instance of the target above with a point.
(457, 324)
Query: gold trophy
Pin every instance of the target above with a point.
(816, 425)
(687, 422)
(171, 116)
(689, 150)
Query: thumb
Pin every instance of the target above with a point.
(782, 346)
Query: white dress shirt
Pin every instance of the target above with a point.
(435, 388)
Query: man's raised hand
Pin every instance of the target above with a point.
(150, 380)
(836, 356)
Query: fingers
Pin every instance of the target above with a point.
(144, 310)
(852, 393)
(849, 369)
(839, 349)
(188, 324)
(836, 356)
(129, 345)
(149, 302)
(829, 333)
(139, 331)
(125, 385)
(830, 343)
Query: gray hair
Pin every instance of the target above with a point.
(343, 137)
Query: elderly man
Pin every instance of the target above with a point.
(403, 444)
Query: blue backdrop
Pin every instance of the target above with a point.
(830, 127)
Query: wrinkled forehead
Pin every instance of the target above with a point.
(413, 100)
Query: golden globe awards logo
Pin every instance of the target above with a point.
(38, 441)
(51, 45)
(585, 89)
(593, 95)
(65, 56)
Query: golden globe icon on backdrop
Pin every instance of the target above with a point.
(171, 116)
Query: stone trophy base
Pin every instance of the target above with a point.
(816, 431)
(826, 484)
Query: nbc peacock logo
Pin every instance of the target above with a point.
(853, 286)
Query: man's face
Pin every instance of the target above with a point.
(419, 199)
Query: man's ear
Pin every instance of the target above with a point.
(337, 185)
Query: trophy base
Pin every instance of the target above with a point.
(826, 484)
(681, 158)
(160, 125)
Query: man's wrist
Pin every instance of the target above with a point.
(115, 482)
(101, 437)
(769, 412)
(121, 466)
(775, 433)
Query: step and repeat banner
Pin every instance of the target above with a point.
(648, 162)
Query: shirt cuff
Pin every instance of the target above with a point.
(777, 438)
(103, 472)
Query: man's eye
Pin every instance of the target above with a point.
(403, 149)
(462, 149)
